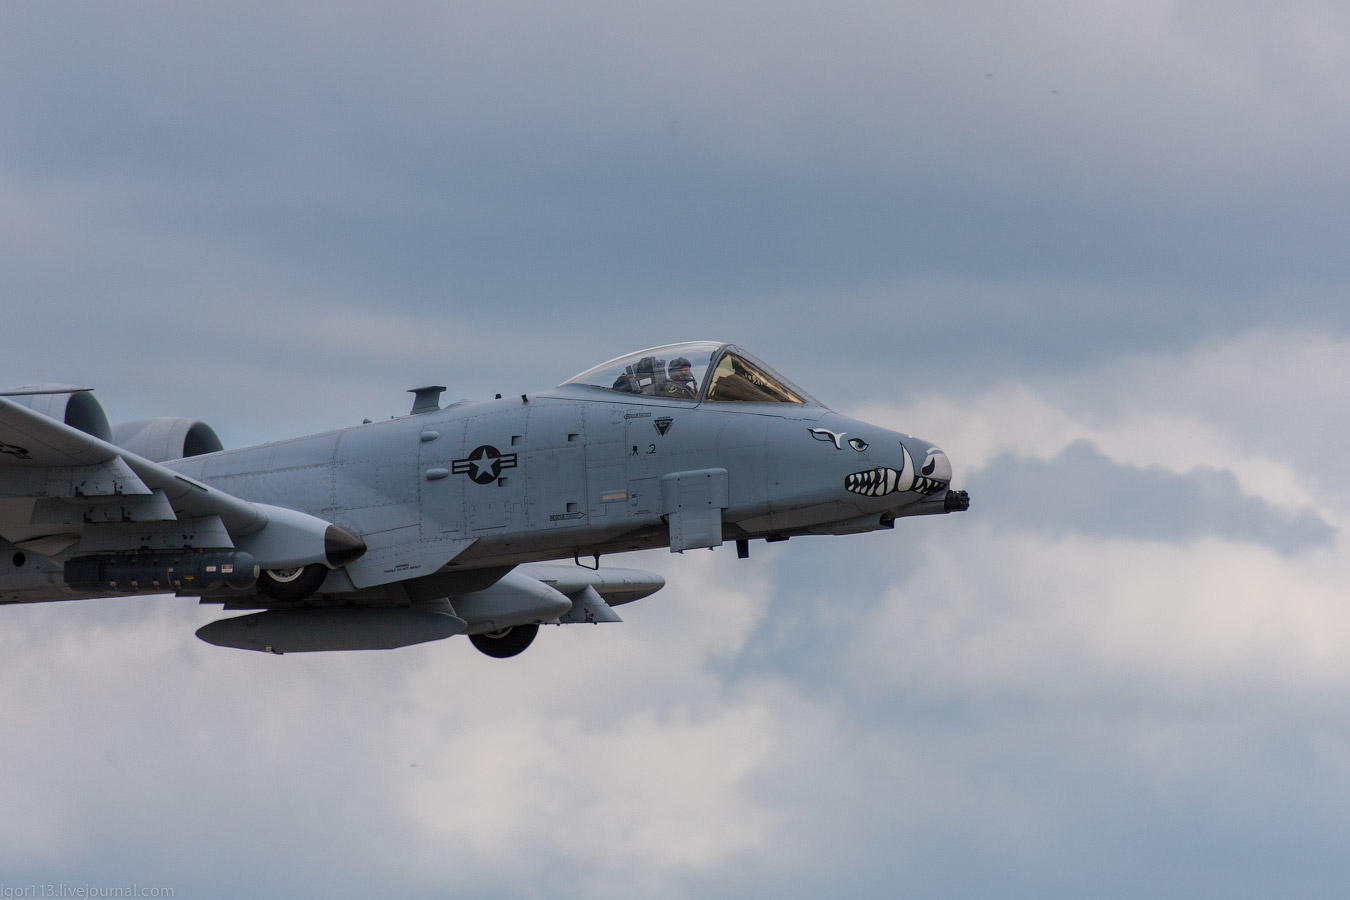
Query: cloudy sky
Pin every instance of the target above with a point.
(1094, 251)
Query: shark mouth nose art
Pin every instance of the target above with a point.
(934, 476)
(874, 482)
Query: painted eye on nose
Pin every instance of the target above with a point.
(935, 473)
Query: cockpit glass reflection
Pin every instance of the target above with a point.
(692, 371)
(673, 372)
(736, 378)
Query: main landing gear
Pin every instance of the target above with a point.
(507, 642)
(292, 584)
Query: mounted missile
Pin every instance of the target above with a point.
(130, 573)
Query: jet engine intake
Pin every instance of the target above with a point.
(66, 403)
(166, 438)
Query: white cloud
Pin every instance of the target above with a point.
(603, 746)
(991, 696)
(1015, 713)
(612, 744)
(1076, 620)
(1260, 405)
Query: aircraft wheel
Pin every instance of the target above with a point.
(292, 584)
(507, 642)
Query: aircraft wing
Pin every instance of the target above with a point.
(61, 489)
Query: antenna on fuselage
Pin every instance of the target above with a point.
(426, 399)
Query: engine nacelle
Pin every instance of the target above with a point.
(67, 403)
(163, 439)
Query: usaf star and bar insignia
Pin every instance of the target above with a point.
(484, 465)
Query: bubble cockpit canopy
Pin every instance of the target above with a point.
(695, 371)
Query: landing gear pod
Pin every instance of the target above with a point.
(340, 547)
(293, 538)
(291, 584)
(141, 573)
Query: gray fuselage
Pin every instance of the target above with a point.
(574, 470)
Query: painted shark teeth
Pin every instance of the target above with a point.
(884, 480)
(928, 486)
(874, 482)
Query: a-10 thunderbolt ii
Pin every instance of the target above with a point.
(441, 522)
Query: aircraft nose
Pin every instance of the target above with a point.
(932, 469)
(934, 475)
(922, 469)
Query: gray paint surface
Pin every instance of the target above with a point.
(442, 503)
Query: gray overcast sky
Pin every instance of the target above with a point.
(1096, 252)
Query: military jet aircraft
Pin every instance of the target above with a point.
(443, 521)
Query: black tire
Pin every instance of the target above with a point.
(291, 584)
(507, 642)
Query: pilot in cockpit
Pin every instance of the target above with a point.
(692, 371)
(679, 380)
(650, 375)
(647, 377)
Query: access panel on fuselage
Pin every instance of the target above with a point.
(606, 463)
(296, 473)
(555, 466)
(375, 483)
(441, 493)
(489, 469)
(470, 472)
(684, 438)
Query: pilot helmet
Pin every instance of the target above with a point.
(680, 369)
